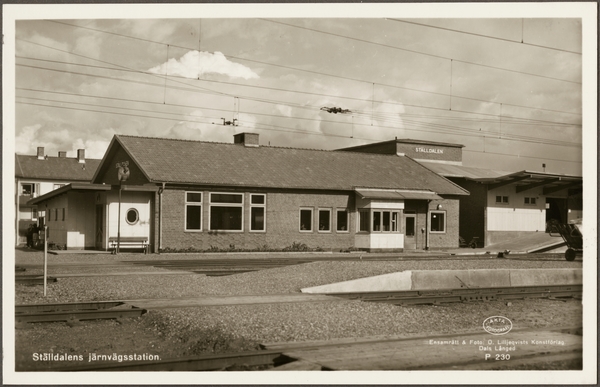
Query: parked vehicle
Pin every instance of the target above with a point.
(573, 237)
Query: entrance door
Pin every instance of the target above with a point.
(410, 238)
(99, 226)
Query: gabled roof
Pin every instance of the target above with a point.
(54, 168)
(223, 164)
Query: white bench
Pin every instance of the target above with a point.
(128, 243)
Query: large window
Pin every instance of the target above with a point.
(306, 222)
(364, 217)
(385, 221)
(324, 220)
(342, 221)
(193, 211)
(437, 221)
(257, 212)
(226, 211)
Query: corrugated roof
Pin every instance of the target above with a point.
(197, 162)
(54, 168)
(449, 170)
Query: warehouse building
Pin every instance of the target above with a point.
(502, 205)
(195, 195)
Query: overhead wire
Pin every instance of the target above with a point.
(305, 70)
(212, 91)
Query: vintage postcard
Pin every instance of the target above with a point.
(209, 193)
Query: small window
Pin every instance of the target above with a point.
(26, 189)
(306, 219)
(193, 211)
(34, 213)
(63, 214)
(531, 201)
(342, 221)
(132, 216)
(324, 220)
(257, 199)
(363, 220)
(437, 221)
(257, 212)
(502, 199)
(56, 214)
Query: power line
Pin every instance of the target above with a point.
(305, 92)
(313, 72)
(420, 126)
(419, 52)
(485, 36)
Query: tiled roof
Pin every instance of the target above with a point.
(197, 162)
(54, 168)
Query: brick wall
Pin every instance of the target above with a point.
(450, 208)
(282, 222)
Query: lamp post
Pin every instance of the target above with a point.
(122, 174)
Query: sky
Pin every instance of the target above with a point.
(508, 89)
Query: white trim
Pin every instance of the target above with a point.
(262, 205)
(329, 230)
(312, 219)
(445, 220)
(233, 205)
(347, 230)
(194, 204)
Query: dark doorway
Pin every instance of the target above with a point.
(99, 226)
(410, 238)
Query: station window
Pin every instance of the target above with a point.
(306, 219)
(324, 220)
(342, 221)
(193, 211)
(257, 212)
(34, 213)
(502, 199)
(63, 214)
(364, 217)
(531, 201)
(385, 221)
(226, 211)
(132, 216)
(437, 221)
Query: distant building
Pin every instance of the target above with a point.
(502, 205)
(200, 195)
(40, 174)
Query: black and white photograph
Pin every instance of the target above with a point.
(404, 193)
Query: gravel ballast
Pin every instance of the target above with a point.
(203, 330)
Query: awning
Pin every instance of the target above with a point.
(396, 194)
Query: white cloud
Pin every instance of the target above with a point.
(195, 64)
(94, 149)
(24, 142)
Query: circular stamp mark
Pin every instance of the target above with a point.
(497, 325)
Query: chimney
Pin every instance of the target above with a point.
(40, 153)
(62, 154)
(81, 156)
(248, 139)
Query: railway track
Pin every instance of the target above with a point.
(74, 312)
(389, 353)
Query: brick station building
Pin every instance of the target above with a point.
(502, 205)
(200, 195)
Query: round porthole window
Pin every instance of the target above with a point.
(132, 216)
